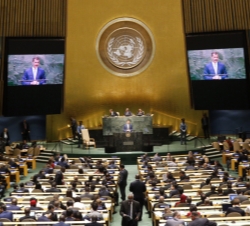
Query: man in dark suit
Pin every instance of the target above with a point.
(94, 222)
(236, 208)
(25, 130)
(128, 127)
(112, 113)
(27, 215)
(215, 69)
(138, 188)
(197, 220)
(4, 213)
(176, 220)
(45, 217)
(6, 136)
(53, 188)
(183, 130)
(62, 221)
(13, 205)
(130, 211)
(205, 125)
(59, 176)
(73, 126)
(229, 189)
(122, 182)
(34, 75)
(127, 112)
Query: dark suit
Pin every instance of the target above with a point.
(29, 77)
(25, 128)
(113, 113)
(6, 214)
(209, 72)
(138, 188)
(26, 217)
(236, 209)
(53, 190)
(7, 138)
(205, 126)
(62, 224)
(125, 209)
(127, 127)
(59, 178)
(123, 183)
(13, 207)
(200, 221)
(94, 224)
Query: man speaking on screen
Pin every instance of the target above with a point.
(215, 70)
(34, 75)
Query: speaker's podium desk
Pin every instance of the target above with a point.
(128, 141)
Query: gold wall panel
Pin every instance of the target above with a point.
(90, 90)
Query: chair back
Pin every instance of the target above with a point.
(236, 145)
(85, 135)
(216, 145)
(245, 146)
(30, 151)
(16, 152)
(37, 151)
(8, 150)
(234, 214)
(225, 146)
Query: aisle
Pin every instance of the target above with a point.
(132, 170)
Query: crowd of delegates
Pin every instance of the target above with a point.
(71, 213)
(225, 188)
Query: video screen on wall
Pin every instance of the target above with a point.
(33, 76)
(39, 69)
(217, 64)
(218, 71)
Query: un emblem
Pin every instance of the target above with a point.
(125, 47)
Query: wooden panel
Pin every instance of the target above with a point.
(33, 18)
(216, 15)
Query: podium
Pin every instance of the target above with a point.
(128, 141)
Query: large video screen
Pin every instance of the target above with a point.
(33, 76)
(46, 69)
(218, 70)
(217, 64)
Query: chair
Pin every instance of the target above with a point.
(68, 199)
(16, 152)
(36, 190)
(214, 215)
(247, 192)
(234, 214)
(225, 146)
(30, 151)
(4, 220)
(77, 160)
(236, 145)
(183, 205)
(50, 198)
(246, 202)
(216, 145)
(239, 139)
(37, 151)
(223, 186)
(176, 196)
(8, 150)
(187, 186)
(182, 158)
(86, 198)
(57, 167)
(87, 141)
(74, 167)
(247, 140)
(246, 146)
(206, 186)
(28, 220)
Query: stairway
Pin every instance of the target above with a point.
(45, 155)
(210, 151)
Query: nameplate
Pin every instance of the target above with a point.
(128, 143)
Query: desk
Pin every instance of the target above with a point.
(128, 141)
(24, 169)
(115, 124)
(33, 163)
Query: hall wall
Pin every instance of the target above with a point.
(90, 90)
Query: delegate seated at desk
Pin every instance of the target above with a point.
(140, 112)
(127, 112)
(128, 127)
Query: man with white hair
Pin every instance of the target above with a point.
(176, 220)
(130, 211)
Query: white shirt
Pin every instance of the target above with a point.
(215, 66)
(34, 70)
(79, 205)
